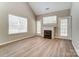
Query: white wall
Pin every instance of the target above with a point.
(3, 22)
(75, 26)
(18, 9)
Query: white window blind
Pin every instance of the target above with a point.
(63, 27)
(17, 24)
(50, 20)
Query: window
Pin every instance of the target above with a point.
(50, 20)
(63, 27)
(38, 26)
(17, 24)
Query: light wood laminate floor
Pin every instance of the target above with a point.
(39, 47)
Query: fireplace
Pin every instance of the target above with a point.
(48, 34)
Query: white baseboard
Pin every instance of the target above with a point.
(15, 40)
(62, 38)
(76, 50)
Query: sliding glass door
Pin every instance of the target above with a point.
(64, 27)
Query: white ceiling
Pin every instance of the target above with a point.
(40, 7)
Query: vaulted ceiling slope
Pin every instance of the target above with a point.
(47, 7)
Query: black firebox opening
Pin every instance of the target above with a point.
(48, 34)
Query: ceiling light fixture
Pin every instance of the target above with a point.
(47, 8)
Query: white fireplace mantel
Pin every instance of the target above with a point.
(48, 28)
